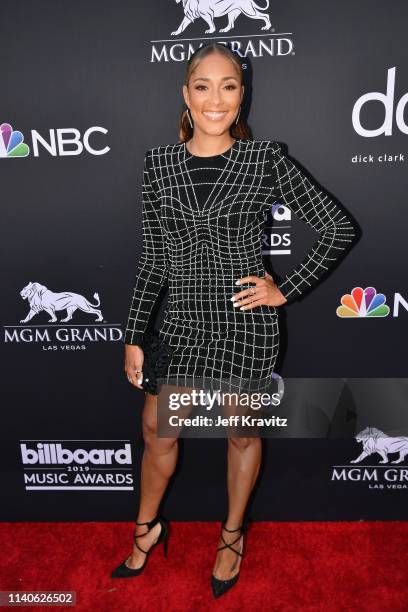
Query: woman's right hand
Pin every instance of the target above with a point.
(134, 358)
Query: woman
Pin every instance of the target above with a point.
(204, 201)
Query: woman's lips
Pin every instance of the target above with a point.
(215, 115)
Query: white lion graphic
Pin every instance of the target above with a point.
(209, 9)
(376, 441)
(41, 298)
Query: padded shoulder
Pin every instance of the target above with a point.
(274, 146)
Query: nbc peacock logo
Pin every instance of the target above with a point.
(362, 303)
(11, 142)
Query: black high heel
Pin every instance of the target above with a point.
(219, 587)
(123, 571)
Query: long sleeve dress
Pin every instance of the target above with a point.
(202, 222)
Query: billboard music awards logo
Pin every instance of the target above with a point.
(200, 19)
(42, 301)
(62, 465)
(377, 446)
(59, 142)
(278, 241)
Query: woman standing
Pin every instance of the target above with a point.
(204, 204)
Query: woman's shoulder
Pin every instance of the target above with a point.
(271, 145)
(267, 145)
(165, 149)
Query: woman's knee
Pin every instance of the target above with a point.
(151, 439)
(149, 428)
(242, 443)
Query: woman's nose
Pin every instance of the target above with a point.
(215, 97)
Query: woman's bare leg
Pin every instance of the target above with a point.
(158, 464)
(244, 462)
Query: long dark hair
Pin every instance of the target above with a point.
(240, 130)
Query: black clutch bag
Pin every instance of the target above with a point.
(157, 356)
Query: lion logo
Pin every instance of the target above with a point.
(376, 441)
(210, 9)
(41, 298)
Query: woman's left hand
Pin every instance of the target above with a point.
(265, 292)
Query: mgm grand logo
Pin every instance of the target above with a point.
(211, 17)
(376, 472)
(45, 324)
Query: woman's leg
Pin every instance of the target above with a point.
(244, 462)
(158, 464)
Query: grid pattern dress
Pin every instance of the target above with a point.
(202, 224)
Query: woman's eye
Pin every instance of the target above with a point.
(230, 87)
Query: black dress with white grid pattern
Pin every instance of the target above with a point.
(202, 223)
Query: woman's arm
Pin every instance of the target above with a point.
(152, 269)
(337, 230)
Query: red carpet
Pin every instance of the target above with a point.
(308, 566)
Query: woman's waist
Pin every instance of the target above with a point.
(214, 310)
(212, 277)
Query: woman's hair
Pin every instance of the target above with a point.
(240, 130)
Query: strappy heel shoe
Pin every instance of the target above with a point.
(123, 571)
(219, 587)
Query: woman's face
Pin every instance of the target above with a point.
(214, 94)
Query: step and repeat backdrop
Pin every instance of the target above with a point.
(87, 88)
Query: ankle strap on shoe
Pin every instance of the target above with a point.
(229, 544)
(243, 527)
(151, 523)
(230, 530)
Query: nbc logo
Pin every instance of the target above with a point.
(363, 303)
(11, 142)
(59, 142)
